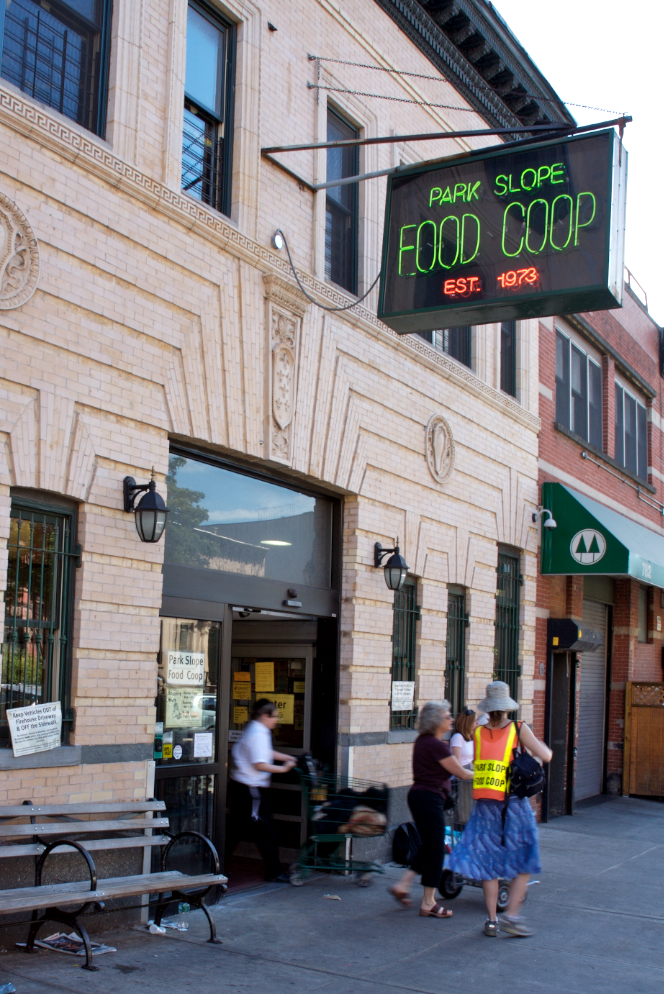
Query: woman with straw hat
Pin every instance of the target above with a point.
(490, 850)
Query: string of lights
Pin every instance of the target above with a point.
(445, 79)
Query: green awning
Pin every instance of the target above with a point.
(592, 539)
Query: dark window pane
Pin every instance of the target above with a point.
(202, 157)
(506, 649)
(579, 393)
(204, 79)
(595, 404)
(562, 380)
(453, 341)
(508, 357)
(404, 633)
(642, 430)
(620, 426)
(630, 434)
(53, 53)
(455, 664)
(341, 221)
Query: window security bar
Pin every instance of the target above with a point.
(202, 162)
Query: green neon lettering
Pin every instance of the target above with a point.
(417, 247)
(447, 196)
(442, 243)
(472, 191)
(585, 224)
(562, 196)
(500, 181)
(405, 248)
(536, 251)
(558, 169)
(505, 215)
(544, 172)
(435, 189)
(523, 180)
(463, 237)
(516, 189)
(461, 188)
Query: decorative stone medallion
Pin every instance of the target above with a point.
(439, 448)
(19, 256)
(285, 307)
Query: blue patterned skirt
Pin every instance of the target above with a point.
(481, 856)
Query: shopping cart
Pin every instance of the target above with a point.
(451, 884)
(340, 809)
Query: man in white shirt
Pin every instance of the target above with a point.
(250, 814)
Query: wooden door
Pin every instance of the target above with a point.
(644, 739)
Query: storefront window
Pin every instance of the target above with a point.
(224, 520)
(187, 697)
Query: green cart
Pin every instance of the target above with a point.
(340, 809)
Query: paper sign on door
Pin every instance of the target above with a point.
(285, 706)
(264, 679)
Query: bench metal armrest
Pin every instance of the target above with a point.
(75, 845)
(197, 835)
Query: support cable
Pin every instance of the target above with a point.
(312, 299)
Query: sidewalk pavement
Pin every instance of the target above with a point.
(598, 914)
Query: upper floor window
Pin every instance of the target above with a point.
(453, 341)
(341, 212)
(57, 51)
(578, 391)
(208, 93)
(508, 357)
(631, 433)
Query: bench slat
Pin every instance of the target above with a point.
(78, 827)
(138, 842)
(33, 898)
(96, 808)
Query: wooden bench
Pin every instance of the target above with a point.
(39, 830)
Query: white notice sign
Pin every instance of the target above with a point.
(403, 693)
(185, 669)
(202, 745)
(36, 728)
(183, 708)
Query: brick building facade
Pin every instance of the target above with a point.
(624, 473)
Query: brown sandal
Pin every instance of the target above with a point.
(401, 896)
(437, 911)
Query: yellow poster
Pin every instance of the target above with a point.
(168, 751)
(298, 686)
(240, 715)
(264, 680)
(241, 691)
(242, 676)
(285, 705)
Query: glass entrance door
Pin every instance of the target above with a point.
(283, 674)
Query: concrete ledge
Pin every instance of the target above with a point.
(77, 756)
(402, 735)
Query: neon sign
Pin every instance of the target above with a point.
(505, 234)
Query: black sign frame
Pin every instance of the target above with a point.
(603, 291)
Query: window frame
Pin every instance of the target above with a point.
(70, 554)
(354, 212)
(223, 202)
(593, 433)
(404, 666)
(455, 649)
(101, 101)
(437, 341)
(641, 447)
(508, 362)
(507, 666)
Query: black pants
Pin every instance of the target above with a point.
(428, 814)
(258, 829)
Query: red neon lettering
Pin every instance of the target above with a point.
(517, 277)
(462, 287)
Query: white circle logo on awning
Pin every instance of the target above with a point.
(588, 546)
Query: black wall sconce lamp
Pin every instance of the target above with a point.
(150, 514)
(395, 568)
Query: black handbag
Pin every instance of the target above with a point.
(526, 778)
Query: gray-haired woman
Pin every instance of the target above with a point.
(433, 765)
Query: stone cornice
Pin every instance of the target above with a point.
(27, 117)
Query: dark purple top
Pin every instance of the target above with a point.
(428, 774)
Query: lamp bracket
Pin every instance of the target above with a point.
(131, 490)
(380, 553)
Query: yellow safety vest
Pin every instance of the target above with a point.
(492, 761)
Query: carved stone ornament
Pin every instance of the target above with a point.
(19, 256)
(439, 448)
(285, 307)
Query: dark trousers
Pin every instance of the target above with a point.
(258, 829)
(429, 816)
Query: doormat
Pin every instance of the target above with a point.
(71, 945)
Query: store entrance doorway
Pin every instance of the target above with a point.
(561, 738)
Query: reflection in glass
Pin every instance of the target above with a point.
(187, 696)
(190, 808)
(223, 520)
(205, 61)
